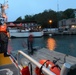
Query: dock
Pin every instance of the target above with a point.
(45, 53)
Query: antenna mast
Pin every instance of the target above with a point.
(57, 12)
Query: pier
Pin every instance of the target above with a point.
(60, 33)
(44, 53)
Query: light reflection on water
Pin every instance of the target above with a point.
(51, 43)
(64, 44)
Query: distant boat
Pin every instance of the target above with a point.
(50, 34)
(24, 33)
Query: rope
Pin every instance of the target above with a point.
(30, 66)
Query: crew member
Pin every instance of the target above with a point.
(30, 43)
(4, 36)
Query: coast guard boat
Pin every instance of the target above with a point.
(20, 64)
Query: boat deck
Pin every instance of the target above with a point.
(7, 67)
(43, 53)
(4, 60)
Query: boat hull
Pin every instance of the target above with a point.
(26, 34)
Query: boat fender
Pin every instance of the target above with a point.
(48, 64)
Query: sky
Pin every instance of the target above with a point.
(20, 8)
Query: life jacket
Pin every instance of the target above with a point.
(3, 28)
(30, 38)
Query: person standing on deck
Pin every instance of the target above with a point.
(30, 43)
(4, 36)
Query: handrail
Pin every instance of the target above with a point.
(34, 62)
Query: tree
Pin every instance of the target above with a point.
(29, 18)
(69, 13)
(44, 17)
(19, 19)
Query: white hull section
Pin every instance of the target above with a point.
(26, 34)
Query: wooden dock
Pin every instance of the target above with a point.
(44, 53)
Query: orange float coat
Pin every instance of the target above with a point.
(3, 28)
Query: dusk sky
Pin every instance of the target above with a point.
(21, 8)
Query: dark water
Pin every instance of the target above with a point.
(64, 43)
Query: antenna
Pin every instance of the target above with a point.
(57, 5)
(57, 12)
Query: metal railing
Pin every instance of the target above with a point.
(48, 72)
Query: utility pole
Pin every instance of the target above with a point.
(57, 13)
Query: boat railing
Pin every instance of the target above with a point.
(44, 69)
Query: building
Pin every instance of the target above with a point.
(25, 25)
(67, 25)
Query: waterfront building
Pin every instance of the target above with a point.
(25, 25)
(67, 25)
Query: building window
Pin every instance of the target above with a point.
(72, 20)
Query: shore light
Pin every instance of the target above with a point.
(50, 21)
(40, 27)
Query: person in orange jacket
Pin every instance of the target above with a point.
(30, 43)
(4, 36)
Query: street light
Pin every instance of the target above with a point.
(50, 21)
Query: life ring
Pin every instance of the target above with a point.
(50, 65)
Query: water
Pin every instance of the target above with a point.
(64, 43)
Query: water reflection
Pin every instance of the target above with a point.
(51, 44)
